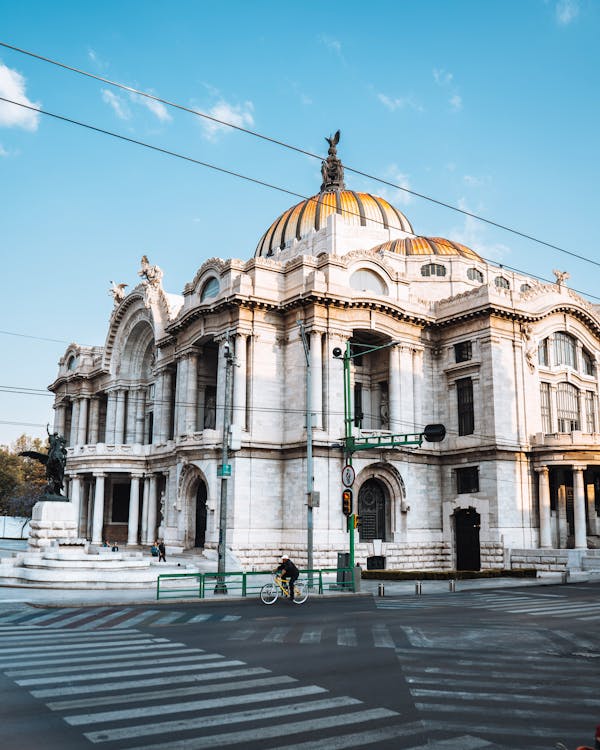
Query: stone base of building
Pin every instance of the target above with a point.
(53, 522)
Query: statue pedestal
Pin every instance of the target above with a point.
(53, 523)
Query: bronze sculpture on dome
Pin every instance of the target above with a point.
(332, 170)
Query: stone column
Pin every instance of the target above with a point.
(132, 394)
(111, 413)
(316, 378)
(59, 418)
(180, 396)
(152, 507)
(75, 497)
(84, 403)
(145, 496)
(74, 422)
(94, 420)
(561, 516)
(165, 405)
(579, 508)
(544, 491)
(375, 423)
(418, 380)
(140, 413)
(191, 397)
(406, 390)
(553, 407)
(134, 510)
(201, 396)
(98, 518)
(239, 382)
(120, 418)
(590, 496)
(394, 389)
(221, 366)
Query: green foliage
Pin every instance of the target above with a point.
(22, 480)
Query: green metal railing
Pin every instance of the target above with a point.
(239, 583)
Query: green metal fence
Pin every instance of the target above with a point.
(240, 583)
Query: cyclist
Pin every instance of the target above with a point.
(288, 572)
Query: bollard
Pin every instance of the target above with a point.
(565, 576)
(380, 590)
(418, 588)
(452, 585)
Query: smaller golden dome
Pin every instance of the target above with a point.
(427, 246)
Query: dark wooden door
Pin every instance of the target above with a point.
(467, 524)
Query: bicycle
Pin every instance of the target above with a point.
(278, 587)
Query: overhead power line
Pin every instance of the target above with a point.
(291, 147)
(256, 181)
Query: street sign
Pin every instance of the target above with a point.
(224, 470)
(348, 476)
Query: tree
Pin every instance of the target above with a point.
(22, 480)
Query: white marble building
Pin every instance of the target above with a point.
(508, 365)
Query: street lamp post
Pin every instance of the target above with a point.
(221, 586)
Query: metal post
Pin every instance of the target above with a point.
(221, 587)
(380, 589)
(418, 588)
(309, 459)
(452, 586)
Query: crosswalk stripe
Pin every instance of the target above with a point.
(74, 647)
(200, 705)
(137, 619)
(39, 617)
(124, 685)
(200, 618)
(271, 731)
(510, 713)
(509, 697)
(78, 616)
(96, 622)
(362, 739)
(134, 672)
(13, 616)
(311, 635)
(242, 635)
(382, 637)
(168, 618)
(166, 649)
(215, 720)
(164, 694)
(533, 729)
(346, 637)
(107, 662)
(276, 635)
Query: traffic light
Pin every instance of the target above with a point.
(347, 502)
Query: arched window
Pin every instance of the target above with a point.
(543, 353)
(564, 349)
(433, 269)
(474, 274)
(525, 287)
(587, 362)
(210, 289)
(365, 280)
(567, 407)
(72, 362)
(501, 282)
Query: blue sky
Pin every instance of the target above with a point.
(489, 106)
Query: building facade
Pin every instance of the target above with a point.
(509, 365)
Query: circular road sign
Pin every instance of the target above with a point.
(348, 476)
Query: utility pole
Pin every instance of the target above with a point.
(309, 457)
(221, 586)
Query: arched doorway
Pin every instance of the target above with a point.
(373, 511)
(200, 535)
(466, 525)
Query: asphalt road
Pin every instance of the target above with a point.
(514, 668)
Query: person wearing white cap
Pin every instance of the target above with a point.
(288, 572)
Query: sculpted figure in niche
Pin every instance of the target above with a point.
(210, 412)
(118, 292)
(384, 410)
(152, 274)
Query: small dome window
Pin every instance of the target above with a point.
(210, 289)
(72, 362)
(474, 274)
(433, 269)
(525, 288)
(501, 282)
(365, 280)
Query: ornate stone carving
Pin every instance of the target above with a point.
(332, 170)
(530, 346)
(561, 276)
(118, 292)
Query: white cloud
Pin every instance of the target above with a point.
(472, 181)
(240, 115)
(456, 102)
(566, 11)
(394, 195)
(12, 86)
(402, 102)
(117, 104)
(3, 152)
(96, 59)
(472, 233)
(442, 77)
(334, 45)
(158, 109)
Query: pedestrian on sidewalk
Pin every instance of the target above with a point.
(161, 551)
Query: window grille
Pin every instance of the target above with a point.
(564, 349)
(433, 269)
(567, 407)
(466, 415)
(591, 410)
(543, 353)
(501, 282)
(463, 351)
(588, 362)
(474, 274)
(467, 480)
(545, 408)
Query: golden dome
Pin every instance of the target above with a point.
(360, 209)
(427, 246)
